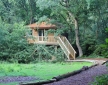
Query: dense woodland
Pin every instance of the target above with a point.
(85, 22)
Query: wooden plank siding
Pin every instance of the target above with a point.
(34, 32)
(48, 39)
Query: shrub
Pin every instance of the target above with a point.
(13, 44)
(101, 80)
(88, 45)
(103, 48)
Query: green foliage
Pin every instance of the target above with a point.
(101, 80)
(102, 49)
(92, 17)
(14, 46)
(90, 14)
(89, 44)
(47, 53)
(45, 4)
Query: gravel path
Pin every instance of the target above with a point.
(17, 79)
(83, 78)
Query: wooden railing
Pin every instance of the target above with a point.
(68, 46)
(63, 46)
(42, 38)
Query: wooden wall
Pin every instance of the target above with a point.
(34, 32)
(50, 37)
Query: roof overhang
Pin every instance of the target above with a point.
(42, 25)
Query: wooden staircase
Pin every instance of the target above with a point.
(66, 47)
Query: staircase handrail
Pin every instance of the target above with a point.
(69, 46)
(63, 46)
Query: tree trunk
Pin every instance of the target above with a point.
(77, 38)
(73, 20)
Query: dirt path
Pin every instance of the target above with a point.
(84, 78)
(93, 60)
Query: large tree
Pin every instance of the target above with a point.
(66, 11)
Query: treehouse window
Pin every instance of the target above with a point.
(41, 32)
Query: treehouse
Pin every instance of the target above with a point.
(40, 34)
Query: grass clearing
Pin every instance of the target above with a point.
(43, 71)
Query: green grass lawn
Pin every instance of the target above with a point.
(43, 71)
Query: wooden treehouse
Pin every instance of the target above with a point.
(39, 35)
